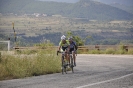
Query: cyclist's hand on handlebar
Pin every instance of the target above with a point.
(57, 52)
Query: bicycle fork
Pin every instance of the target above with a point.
(64, 66)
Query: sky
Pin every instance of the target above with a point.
(68, 1)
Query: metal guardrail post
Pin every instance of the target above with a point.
(8, 44)
(97, 47)
(125, 48)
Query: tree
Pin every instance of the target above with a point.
(79, 41)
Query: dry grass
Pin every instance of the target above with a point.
(16, 66)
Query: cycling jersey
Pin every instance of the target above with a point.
(72, 46)
(64, 45)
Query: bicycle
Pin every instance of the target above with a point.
(64, 63)
(71, 61)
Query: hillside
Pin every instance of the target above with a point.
(123, 7)
(82, 9)
(122, 2)
(31, 30)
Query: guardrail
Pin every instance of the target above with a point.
(6, 42)
(104, 47)
(82, 48)
(35, 48)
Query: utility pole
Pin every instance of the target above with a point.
(15, 38)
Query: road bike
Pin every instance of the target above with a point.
(64, 63)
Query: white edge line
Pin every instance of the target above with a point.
(104, 81)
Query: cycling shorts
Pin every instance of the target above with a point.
(71, 49)
(64, 48)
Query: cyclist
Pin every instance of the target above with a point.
(73, 48)
(64, 44)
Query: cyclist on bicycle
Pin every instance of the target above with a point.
(64, 44)
(73, 48)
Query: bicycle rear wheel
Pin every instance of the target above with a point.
(71, 58)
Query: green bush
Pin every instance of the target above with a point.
(130, 51)
(110, 51)
(94, 52)
(121, 52)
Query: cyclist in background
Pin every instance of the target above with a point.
(64, 45)
(73, 48)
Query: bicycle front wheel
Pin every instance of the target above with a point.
(64, 67)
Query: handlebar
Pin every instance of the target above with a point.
(65, 52)
(58, 52)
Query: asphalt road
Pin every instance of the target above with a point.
(92, 71)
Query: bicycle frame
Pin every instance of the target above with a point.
(71, 61)
(64, 66)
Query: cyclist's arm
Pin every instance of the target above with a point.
(60, 44)
(59, 48)
(75, 46)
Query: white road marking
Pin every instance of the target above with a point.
(89, 85)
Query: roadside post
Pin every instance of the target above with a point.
(15, 38)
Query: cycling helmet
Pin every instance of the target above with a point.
(63, 37)
(70, 38)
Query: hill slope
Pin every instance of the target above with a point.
(122, 2)
(123, 7)
(82, 9)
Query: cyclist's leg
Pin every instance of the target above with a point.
(73, 53)
(70, 51)
(63, 49)
(68, 56)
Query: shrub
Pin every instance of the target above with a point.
(130, 51)
(120, 51)
(110, 51)
(95, 52)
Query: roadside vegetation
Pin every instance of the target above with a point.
(110, 51)
(118, 51)
(27, 63)
(23, 65)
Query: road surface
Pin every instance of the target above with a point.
(92, 71)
